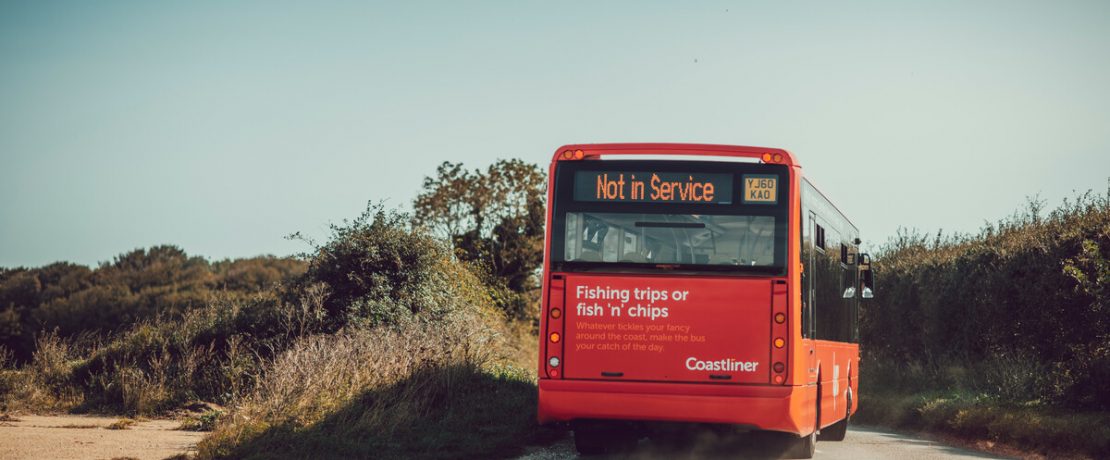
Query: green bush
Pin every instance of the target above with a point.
(1022, 307)
(139, 286)
(381, 271)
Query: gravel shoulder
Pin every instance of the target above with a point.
(87, 437)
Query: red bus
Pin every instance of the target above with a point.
(696, 284)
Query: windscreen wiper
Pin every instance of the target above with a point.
(670, 224)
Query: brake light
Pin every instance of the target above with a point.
(779, 330)
(553, 324)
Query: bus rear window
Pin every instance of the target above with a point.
(686, 239)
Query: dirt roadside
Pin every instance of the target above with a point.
(87, 437)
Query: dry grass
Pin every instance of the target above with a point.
(202, 422)
(121, 424)
(321, 373)
(80, 426)
(44, 384)
(379, 386)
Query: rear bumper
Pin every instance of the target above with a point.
(765, 407)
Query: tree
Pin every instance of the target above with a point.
(494, 218)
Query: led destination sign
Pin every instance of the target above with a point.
(652, 187)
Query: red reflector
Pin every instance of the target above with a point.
(778, 379)
(553, 373)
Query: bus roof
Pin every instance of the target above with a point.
(737, 151)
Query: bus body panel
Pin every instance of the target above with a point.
(764, 407)
(791, 406)
(838, 366)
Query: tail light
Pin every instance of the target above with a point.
(552, 343)
(780, 330)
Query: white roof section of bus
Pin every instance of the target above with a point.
(678, 157)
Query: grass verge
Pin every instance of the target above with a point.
(1051, 431)
(441, 389)
(452, 412)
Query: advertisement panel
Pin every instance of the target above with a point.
(667, 329)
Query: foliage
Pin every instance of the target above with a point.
(1023, 306)
(211, 353)
(373, 272)
(493, 218)
(379, 271)
(408, 368)
(163, 281)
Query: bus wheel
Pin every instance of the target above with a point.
(589, 441)
(806, 446)
(838, 430)
(597, 439)
(803, 447)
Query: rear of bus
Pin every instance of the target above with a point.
(666, 290)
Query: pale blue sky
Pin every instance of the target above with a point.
(222, 127)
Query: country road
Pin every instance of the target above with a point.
(63, 437)
(861, 443)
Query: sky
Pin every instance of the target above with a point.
(223, 127)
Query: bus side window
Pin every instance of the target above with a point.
(808, 271)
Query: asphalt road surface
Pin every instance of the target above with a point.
(861, 443)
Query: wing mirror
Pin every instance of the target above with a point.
(867, 277)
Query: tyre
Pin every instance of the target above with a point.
(598, 439)
(589, 441)
(838, 430)
(803, 447)
(806, 446)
